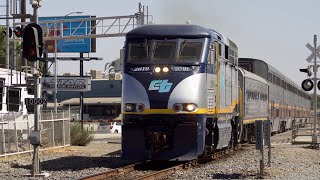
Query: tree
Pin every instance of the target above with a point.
(3, 47)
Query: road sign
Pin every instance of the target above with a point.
(35, 101)
(311, 48)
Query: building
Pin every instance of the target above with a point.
(103, 102)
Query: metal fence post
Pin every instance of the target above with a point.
(29, 130)
(52, 124)
(16, 134)
(63, 130)
(3, 137)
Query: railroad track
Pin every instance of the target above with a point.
(160, 172)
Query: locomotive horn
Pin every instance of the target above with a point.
(307, 85)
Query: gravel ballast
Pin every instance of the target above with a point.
(288, 162)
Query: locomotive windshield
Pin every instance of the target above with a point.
(190, 51)
(173, 50)
(163, 51)
(138, 51)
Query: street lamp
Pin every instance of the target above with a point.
(76, 12)
(56, 60)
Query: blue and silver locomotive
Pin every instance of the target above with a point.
(184, 94)
(173, 78)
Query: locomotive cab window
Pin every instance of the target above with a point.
(163, 51)
(190, 51)
(138, 51)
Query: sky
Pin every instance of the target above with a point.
(274, 31)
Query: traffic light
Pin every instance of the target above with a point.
(32, 42)
(18, 31)
(308, 70)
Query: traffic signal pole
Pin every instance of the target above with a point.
(37, 93)
(7, 36)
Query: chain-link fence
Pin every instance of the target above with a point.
(54, 129)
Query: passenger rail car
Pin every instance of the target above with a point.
(286, 99)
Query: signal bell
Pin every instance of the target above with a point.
(307, 85)
(307, 70)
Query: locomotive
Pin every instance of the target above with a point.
(185, 95)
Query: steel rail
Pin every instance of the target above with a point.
(163, 172)
(114, 172)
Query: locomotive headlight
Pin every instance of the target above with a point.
(157, 69)
(128, 107)
(165, 69)
(191, 107)
(140, 107)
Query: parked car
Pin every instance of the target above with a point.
(110, 127)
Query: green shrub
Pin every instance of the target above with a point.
(78, 136)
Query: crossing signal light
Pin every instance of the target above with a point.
(32, 42)
(307, 84)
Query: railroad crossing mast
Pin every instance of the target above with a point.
(310, 83)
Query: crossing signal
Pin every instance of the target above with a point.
(32, 42)
(307, 85)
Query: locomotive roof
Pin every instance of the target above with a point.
(174, 31)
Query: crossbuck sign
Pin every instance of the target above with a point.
(311, 48)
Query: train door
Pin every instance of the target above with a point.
(288, 118)
(276, 117)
